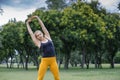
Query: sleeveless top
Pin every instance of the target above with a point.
(47, 49)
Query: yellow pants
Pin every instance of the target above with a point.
(51, 62)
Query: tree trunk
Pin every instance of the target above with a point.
(59, 59)
(112, 61)
(87, 64)
(21, 61)
(36, 60)
(7, 63)
(100, 61)
(83, 58)
(87, 60)
(11, 62)
(67, 57)
(60, 62)
(26, 62)
(96, 60)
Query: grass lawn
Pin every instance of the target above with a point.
(70, 74)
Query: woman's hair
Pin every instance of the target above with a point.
(37, 32)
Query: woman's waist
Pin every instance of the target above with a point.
(48, 58)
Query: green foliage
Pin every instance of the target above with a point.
(80, 21)
(55, 4)
(117, 57)
(81, 26)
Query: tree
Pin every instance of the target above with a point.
(84, 26)
(12, 39)
(112, 36)
(8, 41)
(56, 4)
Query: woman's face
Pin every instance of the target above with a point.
(39, 35)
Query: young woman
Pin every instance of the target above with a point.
(44, 42)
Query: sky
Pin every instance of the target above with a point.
(19, 9)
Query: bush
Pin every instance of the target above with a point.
(117, 57)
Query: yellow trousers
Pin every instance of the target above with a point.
(52, 64)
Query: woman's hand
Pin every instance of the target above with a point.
(34, 17)
(29, 20)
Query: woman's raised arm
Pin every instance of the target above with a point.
(36, 42)
(47, 34)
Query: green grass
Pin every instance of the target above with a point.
(70, 74)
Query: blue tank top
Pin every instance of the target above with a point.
(48, 49)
